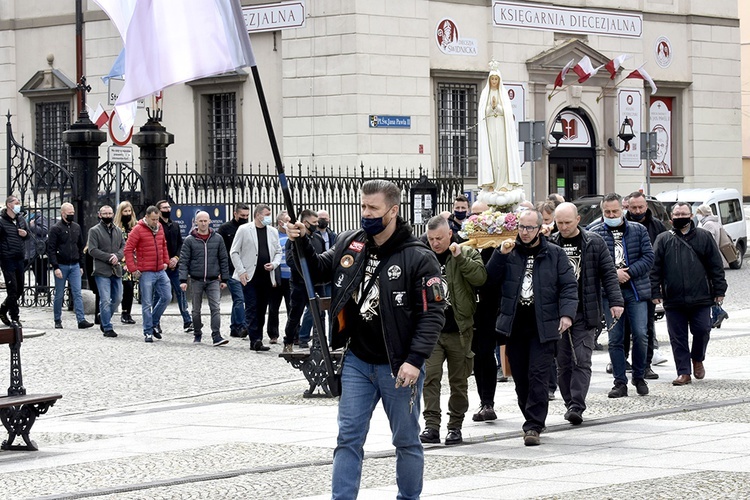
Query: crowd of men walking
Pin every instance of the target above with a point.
(403, 307)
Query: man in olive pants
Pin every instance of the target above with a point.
(462, 270)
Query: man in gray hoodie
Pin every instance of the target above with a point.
(204, 259)
(107, 247)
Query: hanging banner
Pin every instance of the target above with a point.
(660, 121)
(629, 105)
(517, 96)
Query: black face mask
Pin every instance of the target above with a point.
(126, 219)
(681, 222)
(638, 217)
(529, 244)
(322, 223)
(165, 214)
(242, 220)
(69, 217)
(106, 220)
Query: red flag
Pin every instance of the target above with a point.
(585, 70)
(614, 65)
(643, 75)
(100, 116)
(561, 75)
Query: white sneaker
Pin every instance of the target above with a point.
(658, 358)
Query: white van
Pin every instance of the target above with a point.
(725, 202)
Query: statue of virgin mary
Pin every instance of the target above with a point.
(499, 164)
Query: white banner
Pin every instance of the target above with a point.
(272, 17)
(630, 105)
(566, 19)
(517, 95)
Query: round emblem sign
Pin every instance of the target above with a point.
(446, 33)
(663, 51)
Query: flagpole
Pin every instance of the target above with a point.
(313, 299)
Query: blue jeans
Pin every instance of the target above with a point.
(637, 316)
(110, 295)
(72, 274)
(238, 304)
(307, 321)
(362, 386)
(174, 278)
(153, 283)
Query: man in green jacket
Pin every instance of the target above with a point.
(462, 271)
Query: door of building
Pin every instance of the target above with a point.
(572, 177)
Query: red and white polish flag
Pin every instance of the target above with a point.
(585, 70)
(614, 65)
(561, 75)
(100, 116)
(643, 75)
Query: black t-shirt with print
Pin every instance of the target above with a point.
(450, 317)
(369, 343)
(573, 248)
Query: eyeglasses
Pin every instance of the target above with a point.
(527, 228)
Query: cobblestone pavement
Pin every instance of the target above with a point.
(178, 420)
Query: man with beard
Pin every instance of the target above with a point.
(387, 307)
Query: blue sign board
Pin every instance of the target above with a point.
(184, 216)
(381, 121)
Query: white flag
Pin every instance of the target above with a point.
(170, 42)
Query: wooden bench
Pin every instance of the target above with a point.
(18, 410)
(311, 362)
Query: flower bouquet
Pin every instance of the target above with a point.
(489, 229)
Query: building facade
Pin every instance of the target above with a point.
(396, 83)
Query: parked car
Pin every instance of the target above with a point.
(590, 210)
(725, 202)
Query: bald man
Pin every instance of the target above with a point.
(65, 249)
(594, 270)
(204, 259)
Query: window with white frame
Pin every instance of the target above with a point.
(457, 131)
(52, 118)
(221, 133)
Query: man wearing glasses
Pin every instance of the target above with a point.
(539, 299)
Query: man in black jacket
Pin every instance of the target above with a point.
(594, 270)
(638, 211)
(238, 325)
(65, 248)
(205, 261)
(299, 292)
(688, 276)
(538, 302)
(174, 246)
(13, 232)
(387, 306)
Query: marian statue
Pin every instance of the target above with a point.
(499, 165)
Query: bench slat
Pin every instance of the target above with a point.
(8, 401)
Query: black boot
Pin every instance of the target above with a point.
(126, 319)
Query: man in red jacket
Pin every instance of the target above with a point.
(146, 253)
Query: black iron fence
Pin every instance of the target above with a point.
(317, 188)
(43, 185)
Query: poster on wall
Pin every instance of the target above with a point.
(660, 121)
(629, 107)
(517, 95)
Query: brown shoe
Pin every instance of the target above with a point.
(682, 380)
(698, 369)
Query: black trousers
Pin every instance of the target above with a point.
(13, 272)
(278, 293)
(485, 366)
(298, 301)
(127, 296)
(531, 362)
